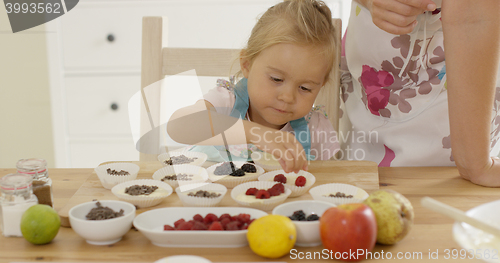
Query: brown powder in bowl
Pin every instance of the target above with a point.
(103, 213)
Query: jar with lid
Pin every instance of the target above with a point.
(16, 197)
(42, 184)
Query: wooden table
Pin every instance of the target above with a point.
(430, 233)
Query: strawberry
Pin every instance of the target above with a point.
(300, 181)
(280, 178)
(262, 194)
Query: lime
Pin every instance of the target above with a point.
(40, 224)
(272, 236)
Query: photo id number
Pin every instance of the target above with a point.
(33, 8)
(471, 254)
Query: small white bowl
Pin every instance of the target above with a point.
(262, 204)
(320, 192)
(108, 180)
(201, 158)
(232, 181)
(290, 183)
(266, 161)
(187, 200)
(472, 239)
(183, 259)
(199, 174)
(308, 234)
(102, 232)
(143, 201)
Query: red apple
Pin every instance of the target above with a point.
(349, 231)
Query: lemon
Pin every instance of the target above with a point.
(40, 224)
(272, 236)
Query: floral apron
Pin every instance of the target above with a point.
(394, 94)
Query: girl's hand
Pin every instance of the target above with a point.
(397, 16)
(283, 145)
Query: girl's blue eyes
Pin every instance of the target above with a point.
(281, 80)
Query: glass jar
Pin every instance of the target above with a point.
(42, 184)
(17, 196)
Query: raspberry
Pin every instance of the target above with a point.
(280, 178)
(209, 218)
(233, 226)
(300, 181)
(225, 221)
(185, 226)
(225, 216)
(262, 194)
(279, 187)
(251, 191)
(178, 222)
(216, 226)
(168, 227)
(199, 226)
(245, 226)
(243, 218)
(274, 192)
(198, 218)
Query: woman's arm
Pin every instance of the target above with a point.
(200, 124)
(397, 16)
(472, 49)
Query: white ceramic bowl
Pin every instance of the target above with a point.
(472, 239)
(320, 192)
(266, 161)
(102, 232)
(199, 174)
(143, 201)
(290, 183)
(232, 181)
(108, 181)
(183, 259)
(187, 200)
(151, 223)
(263, 204)
(201, 158)
(307, 231)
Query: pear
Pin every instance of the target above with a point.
(394, 214)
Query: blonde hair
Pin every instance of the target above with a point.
(303, 22)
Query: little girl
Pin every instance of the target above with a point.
(288, 58)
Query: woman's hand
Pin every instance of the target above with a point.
(283, 145)
(489, 176)
(397, 16)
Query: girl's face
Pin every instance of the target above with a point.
(283, 82)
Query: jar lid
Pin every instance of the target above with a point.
(31, 166)
(15, 181)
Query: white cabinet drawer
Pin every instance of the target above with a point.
(89, 154)
(86, 44)
(90, 101)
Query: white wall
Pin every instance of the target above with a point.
(25, 118)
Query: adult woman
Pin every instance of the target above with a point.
(426, 111)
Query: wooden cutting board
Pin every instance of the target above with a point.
(362, 174)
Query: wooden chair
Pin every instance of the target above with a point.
(159, 61)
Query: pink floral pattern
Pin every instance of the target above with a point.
(374, 82)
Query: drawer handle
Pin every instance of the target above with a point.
(111, 38)
(114, 106)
